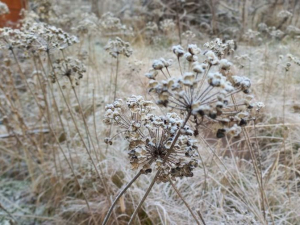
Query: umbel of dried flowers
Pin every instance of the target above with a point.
(150, 138)
(118, 47)
(209, 91)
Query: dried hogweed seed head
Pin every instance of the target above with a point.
(205, 92)
(70, 68)
(118, 47)
(151, 144)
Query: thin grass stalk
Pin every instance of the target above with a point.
(178, 21)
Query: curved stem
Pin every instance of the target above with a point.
(143, 199)
(118, 197)
(186, 204)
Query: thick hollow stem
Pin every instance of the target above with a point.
(118, 197)
(143, 199)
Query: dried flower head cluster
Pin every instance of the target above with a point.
(70, 68)
(151, 28)
(167, 25)
(152, 138)
(221, 48)
(36, 37)
(3, 9)
(284, 14)
(189, 35)
(109, 24)
(264, 31)
(118, 47)
(251, 35)
(88, 25)
(208, 91)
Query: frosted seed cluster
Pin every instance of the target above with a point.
(150, 138)
(167, 25)
(109, 24)
(118, 47)
(70, 68)
(37, 37)
(208, 90)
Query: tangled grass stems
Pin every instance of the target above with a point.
(76, 126)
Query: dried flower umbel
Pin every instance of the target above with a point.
(167, 25)
(70, 68)
(111, 25)
(151, 138)
(38, 37)
(118, 47)
(208, 91)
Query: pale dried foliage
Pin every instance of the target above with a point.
(72, 136)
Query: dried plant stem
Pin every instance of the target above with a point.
(178, 21)
(85, 123)
(285, 134)
(8, 213)
(89, 134)
(70, 163)
(94, 122)
(116, 78)
(33, 95)
(179, 66)
(186, 204)
(257, 170)
(74, 174)
(75, 123)
(48, 117)
(143, 199)
(118, 197)
(201, 217)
